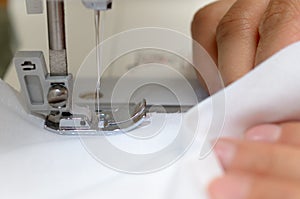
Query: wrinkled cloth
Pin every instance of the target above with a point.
(39, 164)
(36, 163)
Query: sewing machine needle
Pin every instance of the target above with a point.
(98, 26)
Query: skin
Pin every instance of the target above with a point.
(3, 2)
(265, 165)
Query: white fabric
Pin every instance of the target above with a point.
(38, 164)
(268, 94)
(35, 163)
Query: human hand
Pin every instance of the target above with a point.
(265, 166)
(240, 34)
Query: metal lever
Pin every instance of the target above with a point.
(97, 4)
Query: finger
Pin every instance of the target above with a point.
(285, 133)
(241, 186)
(204, 28)
(280, 26)
(205, 22)
(237, 38)
(260, 158)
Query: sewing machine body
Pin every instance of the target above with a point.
(50, 94)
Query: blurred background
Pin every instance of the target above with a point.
(6, 38)
(20, 31)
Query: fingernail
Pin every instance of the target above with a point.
(225, 151)
(229, 187)
(265, 133)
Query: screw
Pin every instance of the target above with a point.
(58, 96)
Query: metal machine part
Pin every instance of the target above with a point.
(34, 6)
(56, 36)
(105, 122)
(50, 94)
(56, 29)
(38, 86)
(97, 4)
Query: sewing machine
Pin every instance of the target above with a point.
(51, 95)
(45, 165)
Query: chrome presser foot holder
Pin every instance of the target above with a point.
(119, 119)
(50, 96)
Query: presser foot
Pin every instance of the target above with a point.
(117, 119)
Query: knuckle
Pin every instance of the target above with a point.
(204, 15)
(234, 23)
(279, 14)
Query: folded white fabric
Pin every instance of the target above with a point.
(38, 164)
(268, 94)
